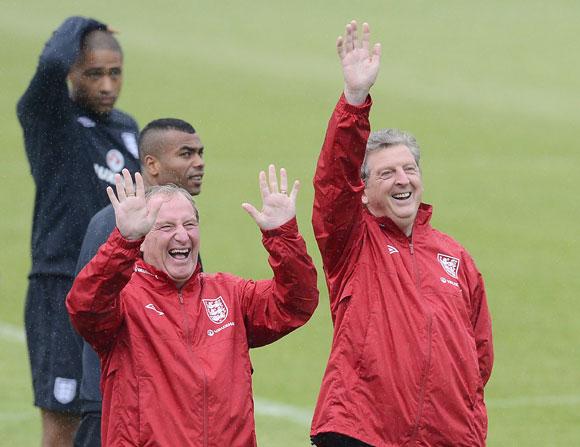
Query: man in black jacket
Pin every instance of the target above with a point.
(72, 136)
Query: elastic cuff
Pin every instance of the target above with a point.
(361, 109)
(288, 228)
(125, 243)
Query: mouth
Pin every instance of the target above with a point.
(401, 196)
(179, 253)
(196, 177)
(107, 102)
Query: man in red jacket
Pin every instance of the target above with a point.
(412, 348)
(174, 341)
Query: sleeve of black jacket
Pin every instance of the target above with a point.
(48, 89)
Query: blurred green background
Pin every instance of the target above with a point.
(490, 89)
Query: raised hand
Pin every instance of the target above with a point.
(277, 206)
(360, 66)
(133, 217)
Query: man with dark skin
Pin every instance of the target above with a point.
(72, 133)
(170, 151)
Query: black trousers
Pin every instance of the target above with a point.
(89, 432)
(336, 440)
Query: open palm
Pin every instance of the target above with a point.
(360, 65)
(278, 207)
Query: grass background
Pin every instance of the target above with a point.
(490, 89)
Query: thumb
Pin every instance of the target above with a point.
(252, 211)
(377, 51)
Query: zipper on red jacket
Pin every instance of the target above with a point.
(190, 350)
(425, 373)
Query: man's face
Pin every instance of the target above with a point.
(394, 186)
(180, 161)
(172, 245)
(96, 80)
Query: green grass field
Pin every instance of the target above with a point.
(490, 89)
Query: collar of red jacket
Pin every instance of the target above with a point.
(160, 280)
(422, 219)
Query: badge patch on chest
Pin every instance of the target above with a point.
(115, 160)
(449, 264)
(216, 309)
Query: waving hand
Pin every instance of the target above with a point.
(133, 217)
(278, 207)
(360, 65)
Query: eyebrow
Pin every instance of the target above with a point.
(191, 148)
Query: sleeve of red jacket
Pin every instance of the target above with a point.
(337, 212)
(93, 302)
(273, 308)
(480, 320)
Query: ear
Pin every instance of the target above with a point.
(364, 199)
(152, 165)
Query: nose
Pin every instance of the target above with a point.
(197, 160)
(180, 234)
(106, 84)
(401, 177)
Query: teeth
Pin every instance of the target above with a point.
(179, 252)
(402, 196)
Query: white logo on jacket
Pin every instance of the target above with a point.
(65, 390)
(153, 308)
(216, 309)
(86, 122)
(130, 143)
(449, 264)
(392, 249)
(115, 160)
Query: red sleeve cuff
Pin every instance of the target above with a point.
(361, 109)
(286, 229)
(126, 244)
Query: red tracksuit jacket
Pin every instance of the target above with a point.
(175, 364)
(412, 347)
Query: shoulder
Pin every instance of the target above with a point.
(107, 214)
(122, 119)
(445, 242)
(221, 279)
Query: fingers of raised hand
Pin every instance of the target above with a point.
(294, 192)
(125, 187)
(366, 34)
(283, 181)
(340, 47)
(128, 183)
(272, 179)
(139, 185)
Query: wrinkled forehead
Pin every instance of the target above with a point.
(394, 155)
(174, 207)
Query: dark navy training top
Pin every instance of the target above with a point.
(73, 153)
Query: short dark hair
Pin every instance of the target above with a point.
(100, 39)
(161, 124)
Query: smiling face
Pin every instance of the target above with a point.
(178, 160)
(172, 245)
(394, 186)
(96, 80)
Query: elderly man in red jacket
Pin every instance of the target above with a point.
(174, 341)
(412, 348)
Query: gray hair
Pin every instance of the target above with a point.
(385, 138)
(171, 190)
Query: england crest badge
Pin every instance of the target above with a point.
(216, 309)
(65, 390)
(449, 264)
